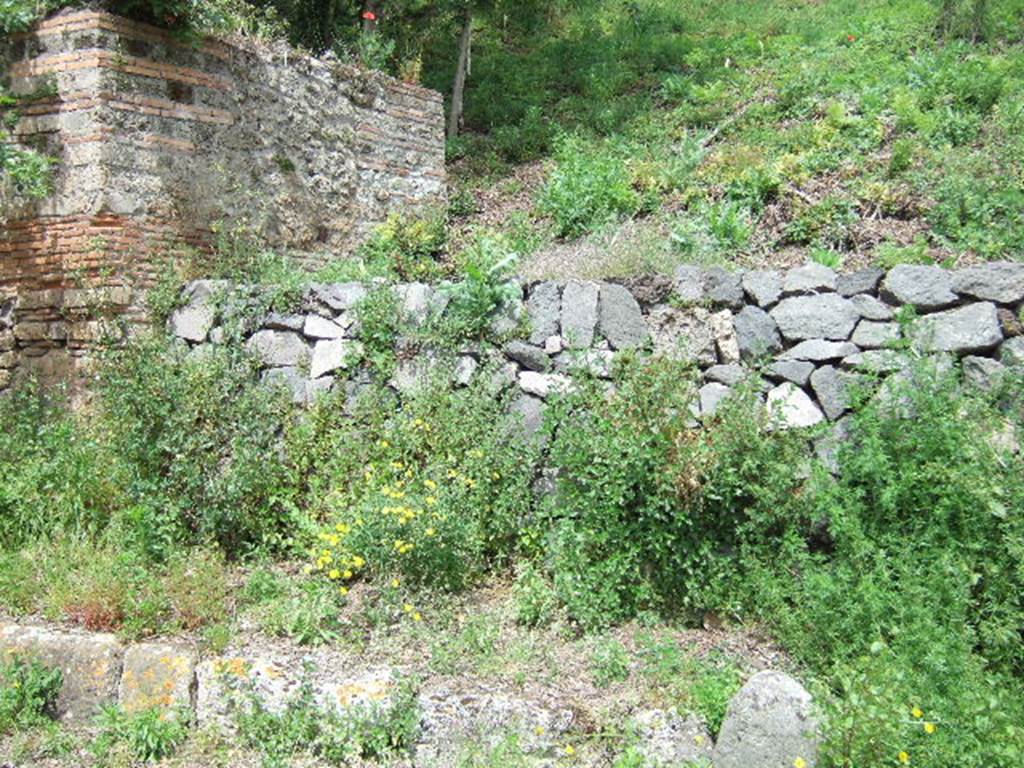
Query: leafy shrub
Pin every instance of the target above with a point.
(28, 694)
(149, 735)
(825, 224)
(588, 187)
(199, 439)
(56, 475)
(652, 514)
(429, 517)
(407, 248)
(487, 284)
(302, 727)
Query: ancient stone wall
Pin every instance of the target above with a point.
(810, 333)
(158, 138)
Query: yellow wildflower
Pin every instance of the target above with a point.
(929, 728)
(347, 574)
(904, 758)
(334, 574)
(395, 583)
(916, 712)
(799, 763)
(417, 616)
(430, 484)
(358, 562)
(430, 531)
(570, 750)
(407, 607)
(343, 590)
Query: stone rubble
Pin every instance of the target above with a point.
(805, 331)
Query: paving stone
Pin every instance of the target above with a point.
(969, 329)
(832, 388)
(157, 675)
(793, 408)
(579, 313)
(278, 348)
(89, 662)
(1001, 282)
(825, 316)
(689, 284)
(810, 278)
(620, 319)
(797, 371)
(875, 335)
(770, 723)
(763, 286)
(820, 350)
(871, 308)
(333, 355)
(667, 740)
(756, 333)
(711, 396)
(543, 308)
(723, 287)
(925, 287)
(528, 356)
(861, 281)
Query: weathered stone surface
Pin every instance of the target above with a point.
(820, 350)
(862, 281)
(1012, 352)
(290, 378)
(871, 308)
(553, 345)
(528, 411)
(412, 373)
(983, 373)
(579, 313)
(756, 333)
(316, 327)
(6, 341)
(770, 723)
(875, 335)
(317, 387)
(278, 348)
(723, 287)
(194, 321)
(683, 334)
(278, 322)
(792, 408)
(667, 740)
(689, 284)
(619, 319)
(7, 308)
(877, 361)
(724, 330)
(797, 371)
(543, 308)
(826, 316)
(810, 278)
(219, 681)
(465, 368)
(543, 385)
(528, 356)
(763, 286)
(329, 356)
(649, 289)
(1011, 324)
(730, 374)
(1001, 282)
(971, 328)
(339, 297)
(157, 675)
(711, 396)
(925, 287)
(416, 301)
(592, 362)
(456, 720)
(832, 388)
(90, 665)
(508, 316)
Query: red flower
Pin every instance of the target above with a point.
(851, 38)
(369, 15)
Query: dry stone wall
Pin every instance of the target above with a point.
(770, 722)
(158, 138)
(810, 333)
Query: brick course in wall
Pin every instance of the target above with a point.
(157, 139)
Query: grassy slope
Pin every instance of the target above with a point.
(759, 132)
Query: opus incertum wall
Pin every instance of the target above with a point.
(808, 331)
(157, 139)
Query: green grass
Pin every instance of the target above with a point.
(766, 123)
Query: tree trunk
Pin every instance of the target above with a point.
(461, 70)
